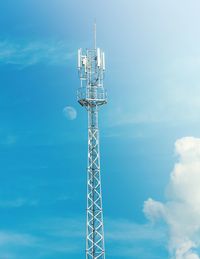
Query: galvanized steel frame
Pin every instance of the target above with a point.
(91, 95)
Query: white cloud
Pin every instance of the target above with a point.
(123, 230)
(70, 113)
(133, 240)
(50, 237)
(18, 239)
(13, 243)
(16, 203)
(10, 140)
(24, 54)
(181, 212)
(66, 236)
(127, 238)
(154, 210)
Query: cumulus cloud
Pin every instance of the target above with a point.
(181, 211)
(70, 113)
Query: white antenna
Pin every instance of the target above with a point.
(103, 61)
(98, 57)
(79, 58)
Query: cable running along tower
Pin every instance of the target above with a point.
(92, 95)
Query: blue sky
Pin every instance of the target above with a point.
(153, 83)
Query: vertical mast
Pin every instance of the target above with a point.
(92, 95)
(95, 35)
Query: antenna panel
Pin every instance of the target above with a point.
(103, 61)
(79, 58)
(98, 57)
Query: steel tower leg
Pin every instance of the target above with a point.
(95, 228)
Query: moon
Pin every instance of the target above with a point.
(70, 113)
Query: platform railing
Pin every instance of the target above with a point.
(92, 94)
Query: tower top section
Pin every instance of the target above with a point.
(91, 68)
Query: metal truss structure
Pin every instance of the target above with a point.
(92, 95)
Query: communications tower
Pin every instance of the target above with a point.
(92, 95)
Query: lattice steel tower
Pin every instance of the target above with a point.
(91, 95)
